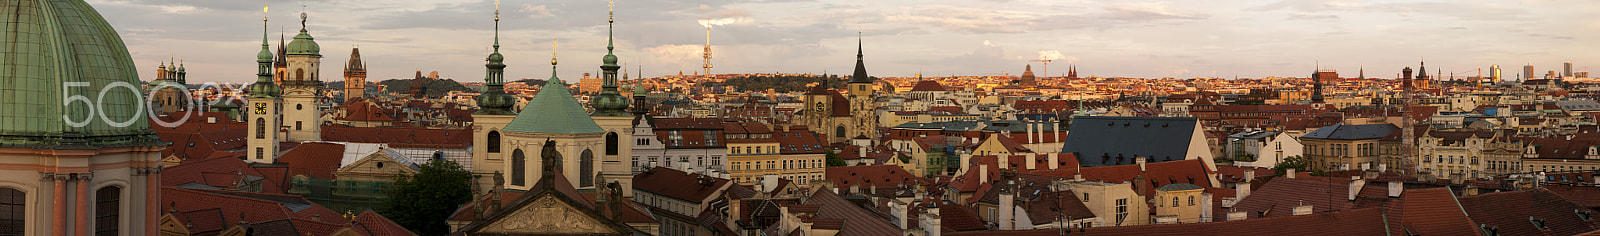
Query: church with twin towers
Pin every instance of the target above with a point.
(591, 148)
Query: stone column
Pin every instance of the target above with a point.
(82, 220)
(152, 200)
(59, 214)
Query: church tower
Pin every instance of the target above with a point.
(302, 87)
(494, 113)
(553, 115)
(264, 107)
(611, 114)
(864, 117)
(355, 76)
(280, 66)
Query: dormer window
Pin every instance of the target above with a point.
(1538, 223)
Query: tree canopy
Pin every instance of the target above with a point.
(422, 202)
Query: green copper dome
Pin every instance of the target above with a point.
(59, 52)
(610, 102)
(303, 44)
(553, 111)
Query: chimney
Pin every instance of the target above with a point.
(1237, 215)
(1290, 173)
(769, 181)
(1205, 207)
(683, 166)
(316, 217)
(1057, 133)
(1242, 189)
(1004, 160)
(899, 211)
(1140, 161)
(1007, 206)
(872, 189)
(1356, 183)
(1383, 168)
(1302, 210)
(1054, 159)
(1395, 188)
(856, 188)
(930, 220)
(1077, 176)
(1031, 160)
(1030, 130)
(983, 174)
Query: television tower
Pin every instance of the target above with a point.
(707, 64)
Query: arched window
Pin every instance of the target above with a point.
(493, 141)
(13, 206)
(107, 205)
(586, 169)
(838, 132)
(300, 74)
(611, 143)
(519, 164)
(261, 128)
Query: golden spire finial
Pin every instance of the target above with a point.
(264, 10)
(611, 11)
(554, 43)
(496, 10)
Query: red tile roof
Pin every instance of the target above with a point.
(401, 137)
(1193, 171)
(857, 221)
(1509, 213)
(317, 160)
(217, 172)
(678, 184)
(1279, 196)
(928, 85)
(370, 223)
(882, 176)
(1352, 222)
(959, 218)
(1588, 196)
(1431, 211)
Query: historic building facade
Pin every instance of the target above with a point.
(841, 118)
(71, 167)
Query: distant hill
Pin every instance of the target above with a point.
(781, 84)
(533, 82)
(437, 88)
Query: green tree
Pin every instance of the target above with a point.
(1298, 163)
(834, 160)
(422, 202)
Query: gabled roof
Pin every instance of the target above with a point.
(928, 86)
(554, 111)
(882, 176)
(1099, 140)
(1509, 213)
(1431, 211)
(317, 160)
(678, 184)
(857, 221)
(1352, 222)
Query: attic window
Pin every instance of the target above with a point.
(1585, 215)
(1538, 223)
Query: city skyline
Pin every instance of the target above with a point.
(901, 38)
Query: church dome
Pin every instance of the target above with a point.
(303, 44)
(64, 52)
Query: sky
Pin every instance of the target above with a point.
(218, 39)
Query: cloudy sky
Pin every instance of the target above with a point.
(1190, 38)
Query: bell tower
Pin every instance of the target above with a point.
(494, 113)
(355, 75)
(263, 108)
(611, 114)
(864, 117)
(302, 87)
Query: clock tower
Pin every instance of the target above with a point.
(263, 108)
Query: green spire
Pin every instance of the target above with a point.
(264, 87)
(610, 102)
(494, 100)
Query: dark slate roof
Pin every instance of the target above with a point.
(1352, 132)
(1179, 187)
(1158, 138)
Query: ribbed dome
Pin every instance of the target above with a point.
(54, 44)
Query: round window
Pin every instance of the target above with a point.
(298, 107)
